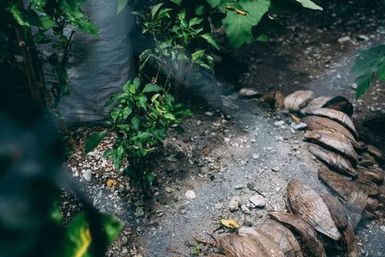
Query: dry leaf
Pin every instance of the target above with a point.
(230, 223)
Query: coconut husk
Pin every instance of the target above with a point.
(333, 141)
(355, 207)
(333, 160)
(368, 187)
(264, 239)
(376, 153)
(216, 255)
(349, 243)
(318, 102)
(305, 234)
(372, 204)
(341, 185)
(275, 99)
(240, 246)
(367, 160)
(337, 211)
(335, 115)
(322, 123)
(297, 100)
(283, 237)
(339, 103)
(308, 204)
(372, 175)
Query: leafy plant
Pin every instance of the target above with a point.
(26, 24)
(368, 68)
(140, 119)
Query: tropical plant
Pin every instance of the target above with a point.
(368, 68)
(24, 25)
(140, 119)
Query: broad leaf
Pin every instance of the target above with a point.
(149, 88)
(121, 4)
(309, 4)
(238, 27)
(94, 140)
(213, 3)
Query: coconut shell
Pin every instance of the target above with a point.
(349, 243)
(240, 246)
(275, 99)
(335, 115)
(372, 175)
(339, 103)
(333, 160)
(283, 237)
(321, 123)
(355, 207)
(265, 241)
(337, 211)
(333, 141)
(308, 204)
(318, 102)
(305, 233)
(297, 100)
(341, 185)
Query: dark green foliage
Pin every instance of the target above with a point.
(140, 119)
(368, 68)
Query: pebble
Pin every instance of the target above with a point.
(209, 113)
(87, 175)
(234, 203)
(298, 126)
(279, 123)
(258, 200)
(255, 156)
(343, 40)
(248, 93)
(190, 195)
(245, 209)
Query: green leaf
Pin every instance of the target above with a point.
(18, 16)
(121, 4)
(238, 27)
(369, 66)
(309, 4)
(151, 87)
(135, 122)
(209, 39)
(78, 237)
(155, 9)
(197, 54)
(177, 2)
(126, 112)
(213, 3)
(94, 140)
(169, 116)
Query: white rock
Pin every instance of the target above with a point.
(190, 195)
(234, 203)
(298, 126)
(245, 209)
(279, 123)
(258, 200)
(248, 93)
(209, 113)
(343, 40)
(87, 175)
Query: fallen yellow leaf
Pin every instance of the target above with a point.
(230, 223)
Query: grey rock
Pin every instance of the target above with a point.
(234, 203)
(87, 175)
(246, 93)
(245, 209)
(258, 200)
(279, 123)
(298, 126)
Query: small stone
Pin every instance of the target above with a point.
(279, 123)
(298, 126)
(234, 203)
(354, 86)
(245, 209)
(209, 113)
(238, 187)
(168, 190)
(255, 156)
(343, 40)
(247, 93)
(247, 222)
(199, 122)
(363, 37)
(87, 175)
(218, 206)
(190, 195)
(258, 200)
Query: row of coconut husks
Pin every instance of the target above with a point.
(318, 225)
